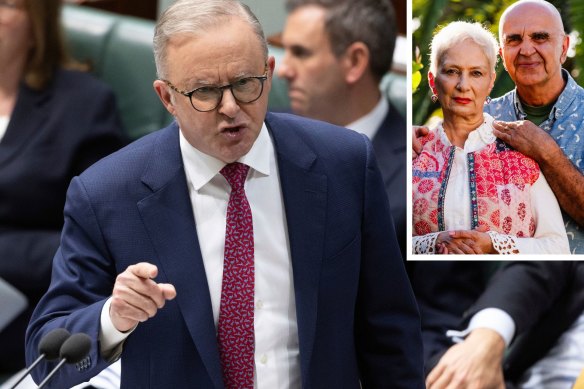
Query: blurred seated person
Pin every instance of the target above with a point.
(336, 53)
(54, 123)
(535, 308)
(472, 193)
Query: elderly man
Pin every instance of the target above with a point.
(546, 106)
(233, 248)
(336, 54)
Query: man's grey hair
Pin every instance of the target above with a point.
(369, 21)
(196, 17)
(458, 32)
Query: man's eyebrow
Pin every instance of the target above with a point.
(299, 49)
(513, 37)
(539, 35)
(195, 82)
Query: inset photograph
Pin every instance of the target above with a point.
(497, 120)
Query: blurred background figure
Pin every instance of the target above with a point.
(525, 330)
(54, 123)
(336, 53)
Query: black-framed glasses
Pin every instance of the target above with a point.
(207, 98)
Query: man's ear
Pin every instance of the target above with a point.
(271, 65)
(163, 93)
(356, 61)
(502, 58)
(494, 75)
(565, 46)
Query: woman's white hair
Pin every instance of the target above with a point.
(196, 17)
(457, 32)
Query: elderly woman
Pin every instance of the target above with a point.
(53, 124)
(472, 193)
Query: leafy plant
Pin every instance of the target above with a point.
(416, 75)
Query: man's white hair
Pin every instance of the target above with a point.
(196, 17)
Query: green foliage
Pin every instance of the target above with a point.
(416, 75)
(430, 15)
(576, 17)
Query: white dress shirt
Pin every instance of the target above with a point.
(370, 123)
(277, 361)
(560, 367)
(4, 120)
(492, 318)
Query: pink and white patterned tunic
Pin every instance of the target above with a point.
(499, 180)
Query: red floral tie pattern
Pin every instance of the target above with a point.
(236, 320)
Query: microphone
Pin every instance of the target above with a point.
(73, 350)
(49, 347)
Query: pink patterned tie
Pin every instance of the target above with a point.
(236, 330)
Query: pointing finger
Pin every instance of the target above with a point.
(168, 291)
(144, 270)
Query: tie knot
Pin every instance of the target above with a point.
(235, 174)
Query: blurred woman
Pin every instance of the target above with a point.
(472, 193)
(54, 123)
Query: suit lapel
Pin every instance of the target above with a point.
(168, 216)
(390, 145)
(305, 193)
(30, 112)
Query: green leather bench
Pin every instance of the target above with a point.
(119, 50)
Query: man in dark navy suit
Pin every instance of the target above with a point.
(336, 53)
(233, 248)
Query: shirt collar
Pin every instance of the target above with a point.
(477, 138)
(4, 121)
(370, 123)
(562, 103)
(200, 168)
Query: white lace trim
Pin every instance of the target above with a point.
(425, 244)
(503, 244)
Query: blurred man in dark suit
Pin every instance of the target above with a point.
(337, 52)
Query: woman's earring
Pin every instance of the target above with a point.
(434, 98)
(488, 100)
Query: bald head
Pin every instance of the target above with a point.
(519, 8)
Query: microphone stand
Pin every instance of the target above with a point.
(38, 360)
(52, 373)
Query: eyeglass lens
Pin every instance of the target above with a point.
(245, 90)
